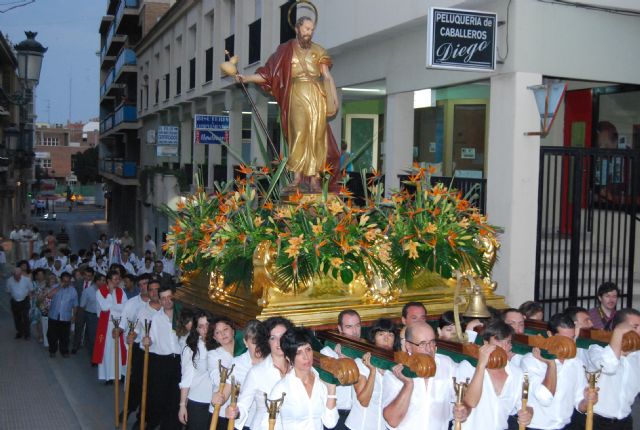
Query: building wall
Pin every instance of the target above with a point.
(70, 142)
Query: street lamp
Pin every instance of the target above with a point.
(30, 55)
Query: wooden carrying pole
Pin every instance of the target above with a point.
(224, 374)
(145, 377)
(525, 398)
(116, 365)
(235, 390)
(127, 382)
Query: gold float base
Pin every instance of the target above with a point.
(319, 304)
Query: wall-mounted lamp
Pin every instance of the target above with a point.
(548, 98)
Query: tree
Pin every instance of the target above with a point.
(85, 166)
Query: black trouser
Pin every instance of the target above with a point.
(58, 332)
(343, 414)
(78, 335)
(20, 311)
(163, 395)
(91, 322)
(602, 423)
(198, 416)
(136, 361)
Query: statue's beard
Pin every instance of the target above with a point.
(304, 42)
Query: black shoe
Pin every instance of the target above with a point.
(52, 354)
(74, 351)
(109, 382)
(18, 336)
(94, 365)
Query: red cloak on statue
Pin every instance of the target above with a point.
(101, 332)
(277, 74)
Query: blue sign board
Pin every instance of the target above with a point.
(211, 129)
(167, 135)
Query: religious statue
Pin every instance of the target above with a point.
(298, 77)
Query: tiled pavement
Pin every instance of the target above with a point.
(38, 392)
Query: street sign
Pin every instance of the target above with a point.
(211, 129)
(167, 135)
(461, 39)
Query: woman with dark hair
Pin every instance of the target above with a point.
(262, 377)
(195, 385)
(221, 344)
(366, 413)
(185, 326)
(447, 327)
(309, 402)
(384, 334)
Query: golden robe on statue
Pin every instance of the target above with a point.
(294, 78)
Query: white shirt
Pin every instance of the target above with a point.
(145, 313)
(149, 245)
(369, 418)
(129, 268)
(553, 411)
(169, 266)
(130, 313)
(300, 411)
(144, 269)
(260, 379)
(430, 406)
(619, 382)
(241, 366)
(196, 377)
(19, 290)
(163, 337)
(344, 392)
(493, 410)
(226, 360)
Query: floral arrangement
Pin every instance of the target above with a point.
(421, 227)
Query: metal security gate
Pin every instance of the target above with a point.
(587, 211)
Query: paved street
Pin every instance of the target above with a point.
(84, 225)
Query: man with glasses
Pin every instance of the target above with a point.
(421, 403)
(412, 312)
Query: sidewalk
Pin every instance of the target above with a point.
(39, 392)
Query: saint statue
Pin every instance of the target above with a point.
(298, 77)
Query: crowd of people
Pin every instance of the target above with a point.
(111, 297)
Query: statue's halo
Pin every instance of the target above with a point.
(309, 6)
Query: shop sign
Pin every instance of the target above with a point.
(168, 135)
(211, 129)
(461, 39)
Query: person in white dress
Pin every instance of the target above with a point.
(493, 393)
(195, 382)
(221, 338)
(262, 377)
(309, 403)
(111, 300)
(366, 409)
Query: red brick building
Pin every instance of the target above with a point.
(56, 143)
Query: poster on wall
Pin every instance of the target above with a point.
(167, 139)
(461, 39)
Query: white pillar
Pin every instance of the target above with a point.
(398, 138)
(258, 135)
(512, 182)
(235, 133)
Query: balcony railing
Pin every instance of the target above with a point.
(108, 80)
(106, 124)
(119, 167)
(126, 57)
(125, 4)
(125, 113)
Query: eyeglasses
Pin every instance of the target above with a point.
(423, 344)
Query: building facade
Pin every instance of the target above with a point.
(395, 110)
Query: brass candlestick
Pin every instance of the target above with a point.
(224, 374)
(127, 383)
(273, 407)
(460, 389)
(525, 397)
(592, 379)
(145, 376)
(235, 390)
(116, 375)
